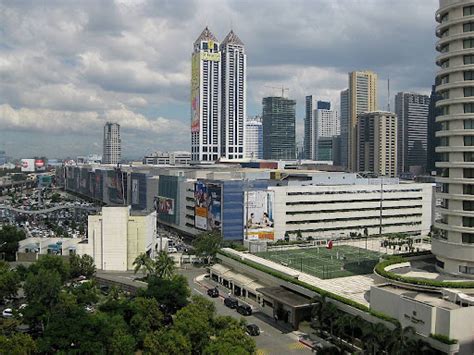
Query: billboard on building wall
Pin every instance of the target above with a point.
(207, 212)
(164, 205)
(116, 184)
(135, 191)
(27, 165)
(259, 214)
(40, 164)
(195, 92)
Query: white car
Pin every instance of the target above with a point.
(7, 313)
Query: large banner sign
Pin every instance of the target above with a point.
(27, 165)
(165, 205)
(259, 215)
(207, 211)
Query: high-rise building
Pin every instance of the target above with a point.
(279, 131)
(233, 88)
(433, 127)
(112, 152)
(412, 112)
(254, 138)
(453, 246)
(344, 140)
(377, 143)
(321, 124)
(206, 98)
(362, 98)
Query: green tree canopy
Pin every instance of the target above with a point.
(17, 344)
(167, 342)
(163, 266)
(232, 340)
(207, 245)
(52, 263)
(10, 237)
(9, 281)
(172, 293)
(146, 318)
(81, 265)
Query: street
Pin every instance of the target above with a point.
(271, 341)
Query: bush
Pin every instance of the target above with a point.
(444, 339)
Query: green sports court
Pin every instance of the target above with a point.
(340, 261)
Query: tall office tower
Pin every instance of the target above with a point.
(254, 138)
(412, 112)
(206, 98)
(344, 141)
(433, 126)
(362, 98)
(279, 134)
(233, 88)
(377, 143)
(112, 150)
(308, 141)
(326, 123)
(454, 245)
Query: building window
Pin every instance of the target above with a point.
(444, 64)
(469, 157)
(469, 124)
(444, 110)
(445, 48)
(469, 59)
(468, 189)
(467, 11)
(445, 17)
(445, 188)
(468, 91)
(469, 75)
(445, 172)
(466, 269)
(440, 264)
(467, 43)
(444, 79)
(468, 173)
(468, 27)
(468, 222)
(468, 205)
(468, 141)
(469, 108)
(444, 94)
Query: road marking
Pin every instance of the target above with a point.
(261, 352)
(195, 289)
(296, 346)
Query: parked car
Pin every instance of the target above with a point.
(253, 330)
(7, 313)
(172, 250)
(244, 309)
(213, 292)
(231, 302)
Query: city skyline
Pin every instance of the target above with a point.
(64, 73)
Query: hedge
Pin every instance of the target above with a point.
(318, 290)
(380, 270)
(444, 339)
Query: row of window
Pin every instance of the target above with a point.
(292, 213)
(339, 228)
(343, 219)
(308, 193)
(352, 201)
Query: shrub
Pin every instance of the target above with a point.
(444, 339)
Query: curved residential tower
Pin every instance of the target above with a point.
(454, 244)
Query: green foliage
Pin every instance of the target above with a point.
(9, 281)
(81, 265)
(85, 293)
(55, 198)
(52, 263)
(163, 266)
(380, 270)
(122, 343)
(206, 245)
(10, 237)
(17, 344)
(172, 293)
(146, 318)
(167, 342)
(444, 339)
(231, 340)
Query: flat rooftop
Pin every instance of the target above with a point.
(285, 296)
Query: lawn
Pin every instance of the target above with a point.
(340, 261)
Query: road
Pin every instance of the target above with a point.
(271, 341)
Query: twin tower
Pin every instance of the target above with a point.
(218, 98)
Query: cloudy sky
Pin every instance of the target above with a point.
(66, 67)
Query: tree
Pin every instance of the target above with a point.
(86, 293)
(172, 293)
(10, 237)
(55, 198)
(232, 340)
(9, 281)
(207, 245)
(143, 262)
(17, 344)
(81, 265)
(146, 318)
(163, 266)
(122, 343)
(401, 340)
(52, 263)
(167, 342)
(374, 337)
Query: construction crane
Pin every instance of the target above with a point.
(282, 88)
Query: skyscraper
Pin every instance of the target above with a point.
(206, 98)
(453, 246)
(279, 128)
(233, 88)
(362, 98)
(344, 140)
(308, 141)
(433, 126)
(377, 143)
(412, 112)
(112, 146)
(254, 138)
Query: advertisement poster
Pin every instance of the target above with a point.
(214, 207)
(135, 194)
(40, 164)
(27, 165)
(115, 183)
(195, 92)
(259, 215)
(165, 205)
(200, 203)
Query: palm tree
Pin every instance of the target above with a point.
(374, 337)
(163, 266)
(143, 262)
(402, 340)
(317, 313)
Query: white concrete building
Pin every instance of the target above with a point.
(338, 208)
(112, 152)
(454, 249)
(168, 158)
(254, 138)
(234, 97)
(116, 237)
(206, 98)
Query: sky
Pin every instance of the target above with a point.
(67, 67)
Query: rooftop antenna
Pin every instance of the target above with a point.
(388, 93)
